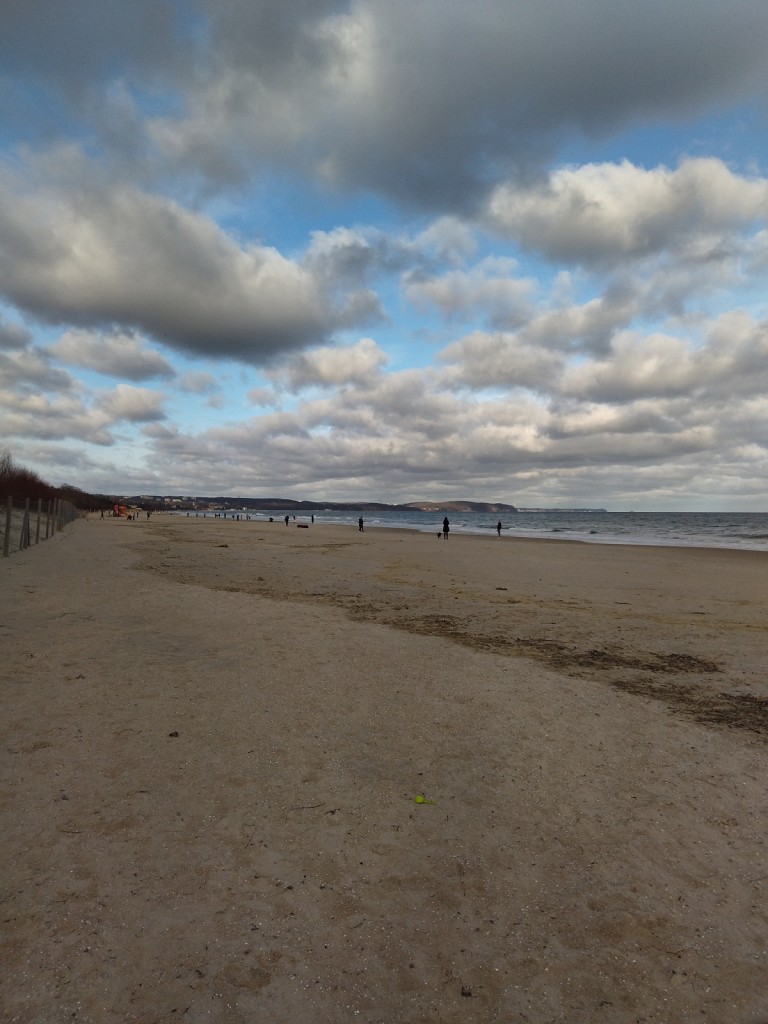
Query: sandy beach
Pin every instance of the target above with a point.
(255, 773)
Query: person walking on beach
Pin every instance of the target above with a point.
(286, 520)
(446, 528)
(498, 528)
(360, 525)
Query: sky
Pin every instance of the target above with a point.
(390, 251)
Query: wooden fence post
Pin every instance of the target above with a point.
(8, 518)
(24, 543)
(37, 527)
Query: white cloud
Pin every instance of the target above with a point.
(732, 361)
(598, 213)
(134, 405)
(114, 355)
(451, 239)
(490, 289)
(500, 360)
(38, 416)
(331, 367)
(403, 435)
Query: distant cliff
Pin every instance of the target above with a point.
(460, 506)
(286, 504)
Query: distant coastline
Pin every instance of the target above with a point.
(224, 503)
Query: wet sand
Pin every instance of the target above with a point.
(217, 738)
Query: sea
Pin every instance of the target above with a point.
(741, 530)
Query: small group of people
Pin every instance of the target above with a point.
(447, 527)
(441, 533)
(288, 518)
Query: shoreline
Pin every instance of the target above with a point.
(468, 535)
(755, 543)
(215, 739)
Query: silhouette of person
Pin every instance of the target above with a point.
(360, 525)
(287, 519)
(446, 527)
(498, 528)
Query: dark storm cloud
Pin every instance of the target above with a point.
(430, 102)
(278, 39)
(75, 46)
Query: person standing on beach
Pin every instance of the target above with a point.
(498, 528)
(360, 525)
(446, 527)
(287, 519)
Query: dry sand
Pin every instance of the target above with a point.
(215, 734)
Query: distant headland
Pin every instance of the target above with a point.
(223, 503)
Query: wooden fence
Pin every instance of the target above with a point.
(28, 521)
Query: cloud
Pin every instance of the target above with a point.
(133, 405)
(266, 398)
(97, 39)
(115, 355)
(198, 383)
(415, 433)
(430, 103)
(482, 360)
(408, 438)
(117, 256)
(732, 361)
(331, 367)
(25, 415)
(452, 240)
(69, 464)
(598, 213)
(489, 290)
(347, 263)
(267, 182)
(26, 368)
(13, 336)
